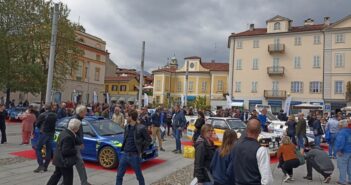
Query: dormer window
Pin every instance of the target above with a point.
(277, 26)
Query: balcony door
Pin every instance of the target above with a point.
(275, 88)
(275, 64)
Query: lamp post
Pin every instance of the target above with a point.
(186, 83)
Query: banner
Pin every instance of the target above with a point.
(95, 98)
(287, 105)
(182, 101)
(146, 100)
(108, 98)
(229, 101)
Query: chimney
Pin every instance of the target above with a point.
(309, 21)
(252, 27)
(326, 21)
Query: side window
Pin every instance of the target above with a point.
(220, 124)
(88, 131)
(209, 121)
(62, 124)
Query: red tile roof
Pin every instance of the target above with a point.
(212, 66)
(262, 31)
(119, 78)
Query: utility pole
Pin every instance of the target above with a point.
(52, 54)
(186, 84)
(141, 79)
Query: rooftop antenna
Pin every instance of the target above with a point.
(214, 51)
(78, 20)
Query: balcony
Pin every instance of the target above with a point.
(276, 94)
(276, 48)
(275, 71)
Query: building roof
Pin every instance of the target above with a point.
(166, 69)
(119, 78)
(278, 17)
(193, 57)
(263, 31)
(212, 66)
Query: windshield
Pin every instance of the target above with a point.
(271, 117)
(236, 124)
(107, 128)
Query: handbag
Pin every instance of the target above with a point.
(300, 157)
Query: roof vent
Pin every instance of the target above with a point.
(309, 22)
(327, 21)
(252, 27)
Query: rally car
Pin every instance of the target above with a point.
(270, 140)
(102, 141)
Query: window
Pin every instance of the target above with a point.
(97, 74)
(238, 64)
(339, 87)
(255, 64)
(219, 85)
(315, 87)
(237, 86)
(239, 44)
(275, 62)
(339, 38)
(86, 74)
(256, 44)
(79, 72)
(123, 88)
(98, 57)
(316, 62)
(296, 87)
(297, 41)
(316, 39)
(106, 88)
(191, 86)
(297, 62)
(158, 85)
(277, 26)
(114, 88)
(254, 87)
(179, 86)
(157, 99)
(204, 87)
(339, 60)
(219, 124)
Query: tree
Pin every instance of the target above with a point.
(25, 33)
(200, 103)
(348, 91)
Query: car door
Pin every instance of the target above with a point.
(89, 141)
(219, 126)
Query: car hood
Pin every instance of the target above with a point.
(115, 140)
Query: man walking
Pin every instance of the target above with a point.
(317, 130)
(156, 131)
(3, 115)
(251, 161)
(62, 112)
(178, 125)
(136, 140)
(317, 159)
(333, 128)
(301, 131)
(46, 124)
(118, 117)
(263, 119)
(343, 149)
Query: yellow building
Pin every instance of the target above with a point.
(122, 88)
(269, 64)
(204, 79)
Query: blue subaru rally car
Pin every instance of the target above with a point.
(102, 141)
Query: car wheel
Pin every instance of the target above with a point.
(108, 157)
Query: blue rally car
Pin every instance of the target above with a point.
(102, 141)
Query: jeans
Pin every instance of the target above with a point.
(332, 151)
(3, 132)
(66, 173)
(177, 134)
(292, 138)
(317, 140)
(300, 139)
(156, 132)
(344, 165)
(311, 164)
(287, 166)
(44, 139)
(134, 161)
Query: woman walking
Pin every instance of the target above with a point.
(291, 123)
(198, 124)
(220, 166)
(204, 150)
(287, 158)
(28, 119)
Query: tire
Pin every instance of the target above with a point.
(108, 157)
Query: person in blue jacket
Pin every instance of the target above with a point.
(263, 120)
(221, 169)
(343, 150)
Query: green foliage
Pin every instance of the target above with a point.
(25, 34)
(348, 91)
(200, 103)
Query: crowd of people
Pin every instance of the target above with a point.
(237, 161)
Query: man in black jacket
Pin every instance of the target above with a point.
(46, 123)
(136, 140)
(3, 115)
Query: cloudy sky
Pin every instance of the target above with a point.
(186, 27)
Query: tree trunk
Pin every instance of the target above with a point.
(8, 98)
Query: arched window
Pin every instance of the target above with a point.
(277, 26)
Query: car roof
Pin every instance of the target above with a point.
(224, 118)
(94, 118)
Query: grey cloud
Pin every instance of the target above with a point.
(187, 27)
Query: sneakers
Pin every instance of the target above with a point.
(39, 169)
(162, 149)
(308, 178)
(177, 151)
(327, 179)
(287, 177)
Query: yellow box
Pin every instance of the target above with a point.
(189, 152)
